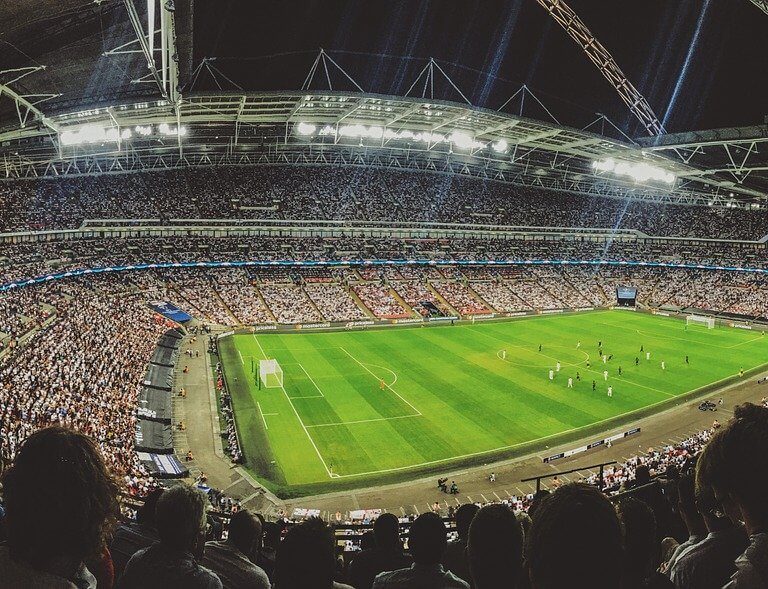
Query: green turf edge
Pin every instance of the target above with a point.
(266, 470)
(262, 463)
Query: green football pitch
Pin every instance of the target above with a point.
(366, 407)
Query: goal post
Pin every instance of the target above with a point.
(270, 374)
(709, 322)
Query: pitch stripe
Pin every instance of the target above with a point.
(385, 384)
(312, 379)
(364, 420)
(304, 427)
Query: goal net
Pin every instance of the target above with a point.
(270, 374)
(709, 322)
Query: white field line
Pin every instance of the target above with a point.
(385, 384)
(312, 379)
(241, 357)
(261, 412)
(364, 420)
(304, 427)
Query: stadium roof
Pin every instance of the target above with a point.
(97, 106)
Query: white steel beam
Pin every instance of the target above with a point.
(761, 4)
(600, 56)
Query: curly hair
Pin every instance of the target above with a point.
(61, 500)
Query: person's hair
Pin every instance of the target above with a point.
(368, 540)
(642, 475)
(686, 494)
(735, 461)
(386, 530)
(306, 557)
(427, 539)
(146, 513)
(60, 499)
(244, 531)
(180, 517)
(640, 544)
(272, 533)
(537, 499)
(575, 534)
(464, 515)
(495, 548)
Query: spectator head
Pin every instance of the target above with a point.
(495, 548)
(427, 539)
(245, 531)
(146, 513)
(180, 518)
(60, 500)
(686, 505)
(537, 499)
(735, 466)
(368, 540)
(386, 530)
(464, 515)
(640, 542)
(642, 475)
(575, 534)
(306, 557)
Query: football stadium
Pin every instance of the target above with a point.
(415, 294)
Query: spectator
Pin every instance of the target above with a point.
(735, 465)
(455, 558)
(386, 555)
(641, 547)
(131, 537)
(495, 548)
(427, 542)
(306, 558)
(575, 540)
(710, 563)
(694, 523)
(61, 502)
(172, 562)
(268, 552)
(231, 560)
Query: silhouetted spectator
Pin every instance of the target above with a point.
(427, 541)
(575, 540)
(60, 504)
(172, 562)
(455, 558)
(231, 560)
(495, 548)
(268, 551)
(735, 465)
(131, 537)
(641, 549)
(306, 558)
(694, 523)
(386, 555)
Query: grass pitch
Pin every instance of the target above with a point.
(358, 408)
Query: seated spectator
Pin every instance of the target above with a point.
(60, 502)
(172, 562)
(427, 542)
(385, 555)
(495, 548)
(131, 537)
(641, 547)
(575, 540)
(710, 563)
(694, 523)
(231, 560)
(306, 558)
(455, 558)
(268, 551)
(735, 465)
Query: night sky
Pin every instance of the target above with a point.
(699, 63)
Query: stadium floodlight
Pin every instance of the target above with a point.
(501, 146)
(641, 172)
(465, 141)
(306, 128)
(90, 134)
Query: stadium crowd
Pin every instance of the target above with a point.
(347, 193)
(700, 525)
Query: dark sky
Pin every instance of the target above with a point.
(699, 63)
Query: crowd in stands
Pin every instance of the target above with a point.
(380, 301)
(460, 298)
(347, 193)
(700, 525)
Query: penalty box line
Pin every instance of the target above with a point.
(418, 413)
(301, 421)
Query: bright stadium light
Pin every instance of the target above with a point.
(501, 146)
(89, 134)
(306, 128)
(465, 141)
(641, 172)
